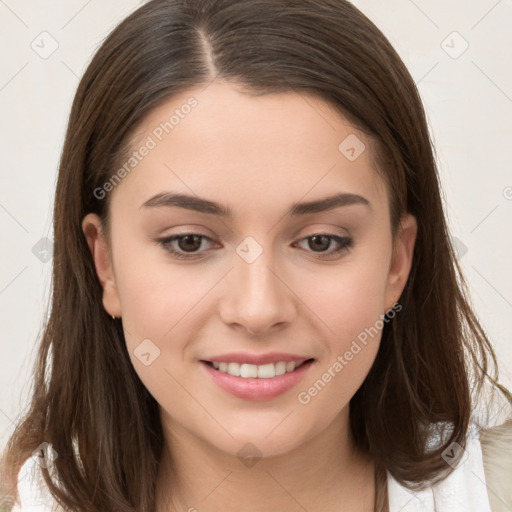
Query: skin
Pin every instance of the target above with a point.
(257, 155)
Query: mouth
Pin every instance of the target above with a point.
(257, 382)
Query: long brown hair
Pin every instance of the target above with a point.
(88, 401)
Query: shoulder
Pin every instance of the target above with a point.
(478, 480)
(496, 443)
(33, 494)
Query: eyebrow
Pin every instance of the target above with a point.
(198, 204)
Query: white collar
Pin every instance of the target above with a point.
(464, 490)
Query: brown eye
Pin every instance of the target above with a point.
(188, 245)
(320, 243)
(189, 242)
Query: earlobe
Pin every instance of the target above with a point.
(402, 258)
(92, 228)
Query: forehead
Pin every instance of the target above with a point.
(261, 150)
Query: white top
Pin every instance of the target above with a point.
(464, 490)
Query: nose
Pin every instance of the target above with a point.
(256, 297)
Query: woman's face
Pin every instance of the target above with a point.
(302, 268)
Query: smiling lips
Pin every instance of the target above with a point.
(257, 377)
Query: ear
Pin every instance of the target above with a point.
(401, 261)
(93, 231)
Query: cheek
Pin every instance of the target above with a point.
(351, 307)
(163, 306)
(155, 294)
(159, 316)
(351, 298)
(350, 303)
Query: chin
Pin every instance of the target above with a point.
(265, 439)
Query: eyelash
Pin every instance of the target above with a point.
(345, 244)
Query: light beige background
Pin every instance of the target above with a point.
(467, 94)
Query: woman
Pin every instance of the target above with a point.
(256, 305)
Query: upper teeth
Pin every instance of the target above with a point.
(263, 371)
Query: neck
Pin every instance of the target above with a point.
(318, 475)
